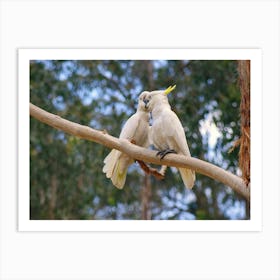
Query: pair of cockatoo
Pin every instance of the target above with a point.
(166, 134)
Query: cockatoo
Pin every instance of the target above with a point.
(136, 130)
(167, 133)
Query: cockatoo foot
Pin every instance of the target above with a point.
(132, 141)
(143, 166)
(156, 173)
(149, 170)
(163, 153)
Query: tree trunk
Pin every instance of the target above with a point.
(146, 213)
(248, 210)
(244, 153)
(52, 199)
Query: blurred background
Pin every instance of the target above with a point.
(66, 179)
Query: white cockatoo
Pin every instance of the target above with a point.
(167, 133)
(136, 130)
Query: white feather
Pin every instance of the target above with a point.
(136, 128)
(110, 162)
(188, 177)
(167, 132)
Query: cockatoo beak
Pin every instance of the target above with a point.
(146, 102)
(169, 89)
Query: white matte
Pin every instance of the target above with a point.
(191, 24)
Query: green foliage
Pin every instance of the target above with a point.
(66, 179)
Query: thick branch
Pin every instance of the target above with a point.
(139, 153)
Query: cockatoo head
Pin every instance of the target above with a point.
(142, 102)
(157, 97)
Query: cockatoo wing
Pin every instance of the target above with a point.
(188, 177)
(149, 137)
(117, 163)
(130, 127)
(176, 139)
(119, 174)
(136, 128)
(175, 134)
(110, 162)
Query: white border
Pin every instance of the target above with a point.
(25, 55)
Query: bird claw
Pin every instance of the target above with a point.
(163, 153)
(132, 141)
(149, 170)
(156, 174)
(144, 167)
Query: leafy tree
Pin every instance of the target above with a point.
(66, 173)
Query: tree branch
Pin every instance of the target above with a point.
(139, 153)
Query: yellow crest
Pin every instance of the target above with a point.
(169, 89)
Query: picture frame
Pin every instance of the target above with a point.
(27, 55)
